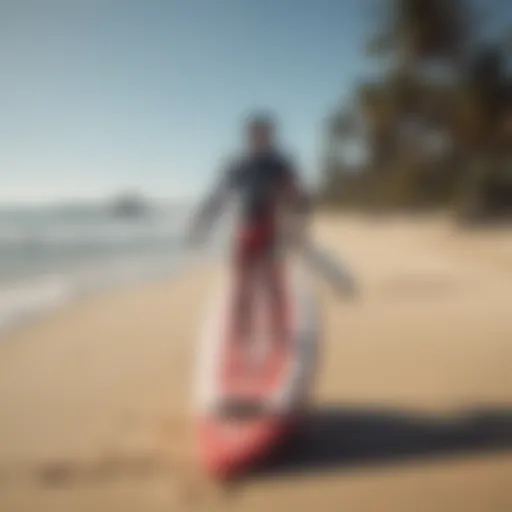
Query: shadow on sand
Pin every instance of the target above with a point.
(341, 437)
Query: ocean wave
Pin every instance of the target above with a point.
(47, 261)
(19, 237)
(27, 299)
(24, 300)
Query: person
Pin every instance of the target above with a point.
(270, 191)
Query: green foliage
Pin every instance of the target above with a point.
(469, 106)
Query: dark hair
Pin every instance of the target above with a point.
(261, 120)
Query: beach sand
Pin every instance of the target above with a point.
(412, 409)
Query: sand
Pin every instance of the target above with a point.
(412, 408)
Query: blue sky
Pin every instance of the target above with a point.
(100, 95)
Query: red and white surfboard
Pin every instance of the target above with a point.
(251, 392)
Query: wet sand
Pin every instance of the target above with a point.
(413, 403)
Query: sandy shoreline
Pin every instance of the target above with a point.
(95, 399)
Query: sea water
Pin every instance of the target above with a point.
(50, 255)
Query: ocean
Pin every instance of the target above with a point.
(50, 255)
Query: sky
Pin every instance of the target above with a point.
(98, 96)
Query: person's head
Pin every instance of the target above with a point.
(260, 132)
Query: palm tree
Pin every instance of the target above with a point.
(481, 126)
(340, 125)
(469, 103)
(422, 29)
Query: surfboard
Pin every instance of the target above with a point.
(252, 389)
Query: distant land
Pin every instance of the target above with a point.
(130, 204)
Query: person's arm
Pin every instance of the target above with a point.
(211, 206)
(298, 203)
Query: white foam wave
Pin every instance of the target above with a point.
(25, 300)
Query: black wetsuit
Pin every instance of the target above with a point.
(261, 181)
